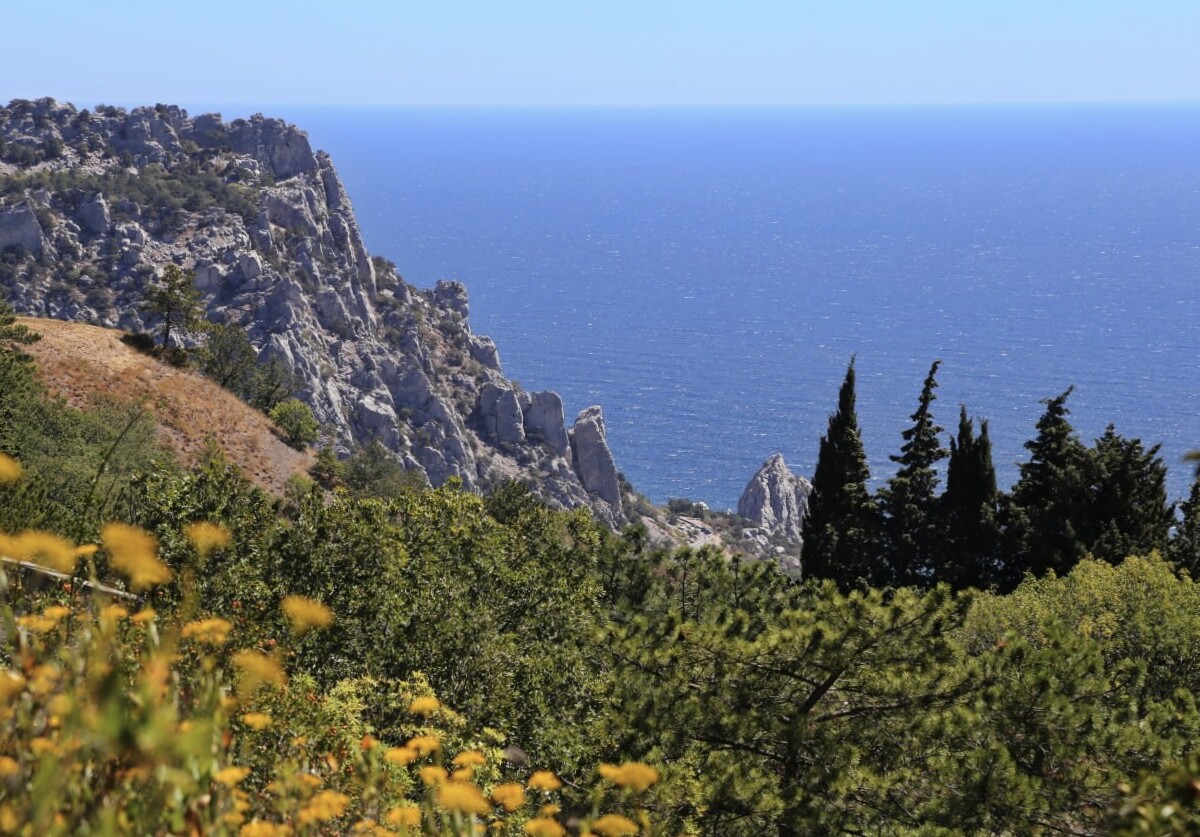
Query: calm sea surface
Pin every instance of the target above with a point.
(706, 275)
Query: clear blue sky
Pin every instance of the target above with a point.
(616, 52)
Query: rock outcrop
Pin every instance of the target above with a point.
(266, 225)
(594, 462)
(776, 500)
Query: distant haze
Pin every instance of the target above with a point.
(644, 53)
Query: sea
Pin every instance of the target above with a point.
(707, 275)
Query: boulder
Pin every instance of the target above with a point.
(776, 499)
(19, 227)
(592, 458)
(92, 215)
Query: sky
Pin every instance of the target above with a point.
(539, 53)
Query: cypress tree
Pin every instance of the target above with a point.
(841, 528)
(1050, 503)
(908, 501)
(1184, 550)
(970, 510)
(1129, 512)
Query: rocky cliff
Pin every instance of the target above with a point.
(94, 203)
(776, 500)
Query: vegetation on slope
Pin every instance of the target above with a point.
(416, 664)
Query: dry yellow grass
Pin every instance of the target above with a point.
(82, 362)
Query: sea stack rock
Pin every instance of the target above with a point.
(776, 499)
(594, 461)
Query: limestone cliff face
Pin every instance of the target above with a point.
(776, 499)
(94, 204)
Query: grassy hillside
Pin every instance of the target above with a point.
(82, 363)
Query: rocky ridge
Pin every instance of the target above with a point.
(94, 203)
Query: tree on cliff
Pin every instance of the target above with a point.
(908, 501)
(176, 300)
(841, 529)
(970, 510)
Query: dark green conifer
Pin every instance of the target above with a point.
(1128, 504)
(841, 528)
(908, 502)
(1184, 550)
(1050, 502)
(969, 555)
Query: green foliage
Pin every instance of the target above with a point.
(1051, 495)
(296, 421)
(374, 471)
(1184, 549)
(175, 300)
(841, 529)
(914, 536)
(970, 511)
(1127, 499)
(228, 357)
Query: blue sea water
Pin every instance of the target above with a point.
(706, 275)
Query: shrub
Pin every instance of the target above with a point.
(295, 419)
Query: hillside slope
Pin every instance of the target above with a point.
(82, 363)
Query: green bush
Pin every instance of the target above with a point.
(296, 421)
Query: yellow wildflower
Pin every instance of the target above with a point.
(433, 774)
(10, 469)
(632, 774)
(306, 614)
(544, 780)
(258, 828)
(544, 827)
(231, 775)
(405, 816)
(84, 550)
(425, 744)
(12, 683)
(469, 758)
(258, 668)
(463, 798)
(9, 766)
(424, 705)
(56, 612)
(310, 780)
(44, 548)
(112, 613)
(326, 805)
(614, 825)
(134, 552)
(401, 755)
(232, 818)
(257, 720)
(9, 820)
(213, 631)
(143, 617)
(41, 745)
(549, 810)
(510, 796)
(206, 537)
(37, 624)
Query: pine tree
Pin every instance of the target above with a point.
(969, 509)
(1129, 512)
(908, 502)
(176, 300)
(841, 529)
(1050, 502)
